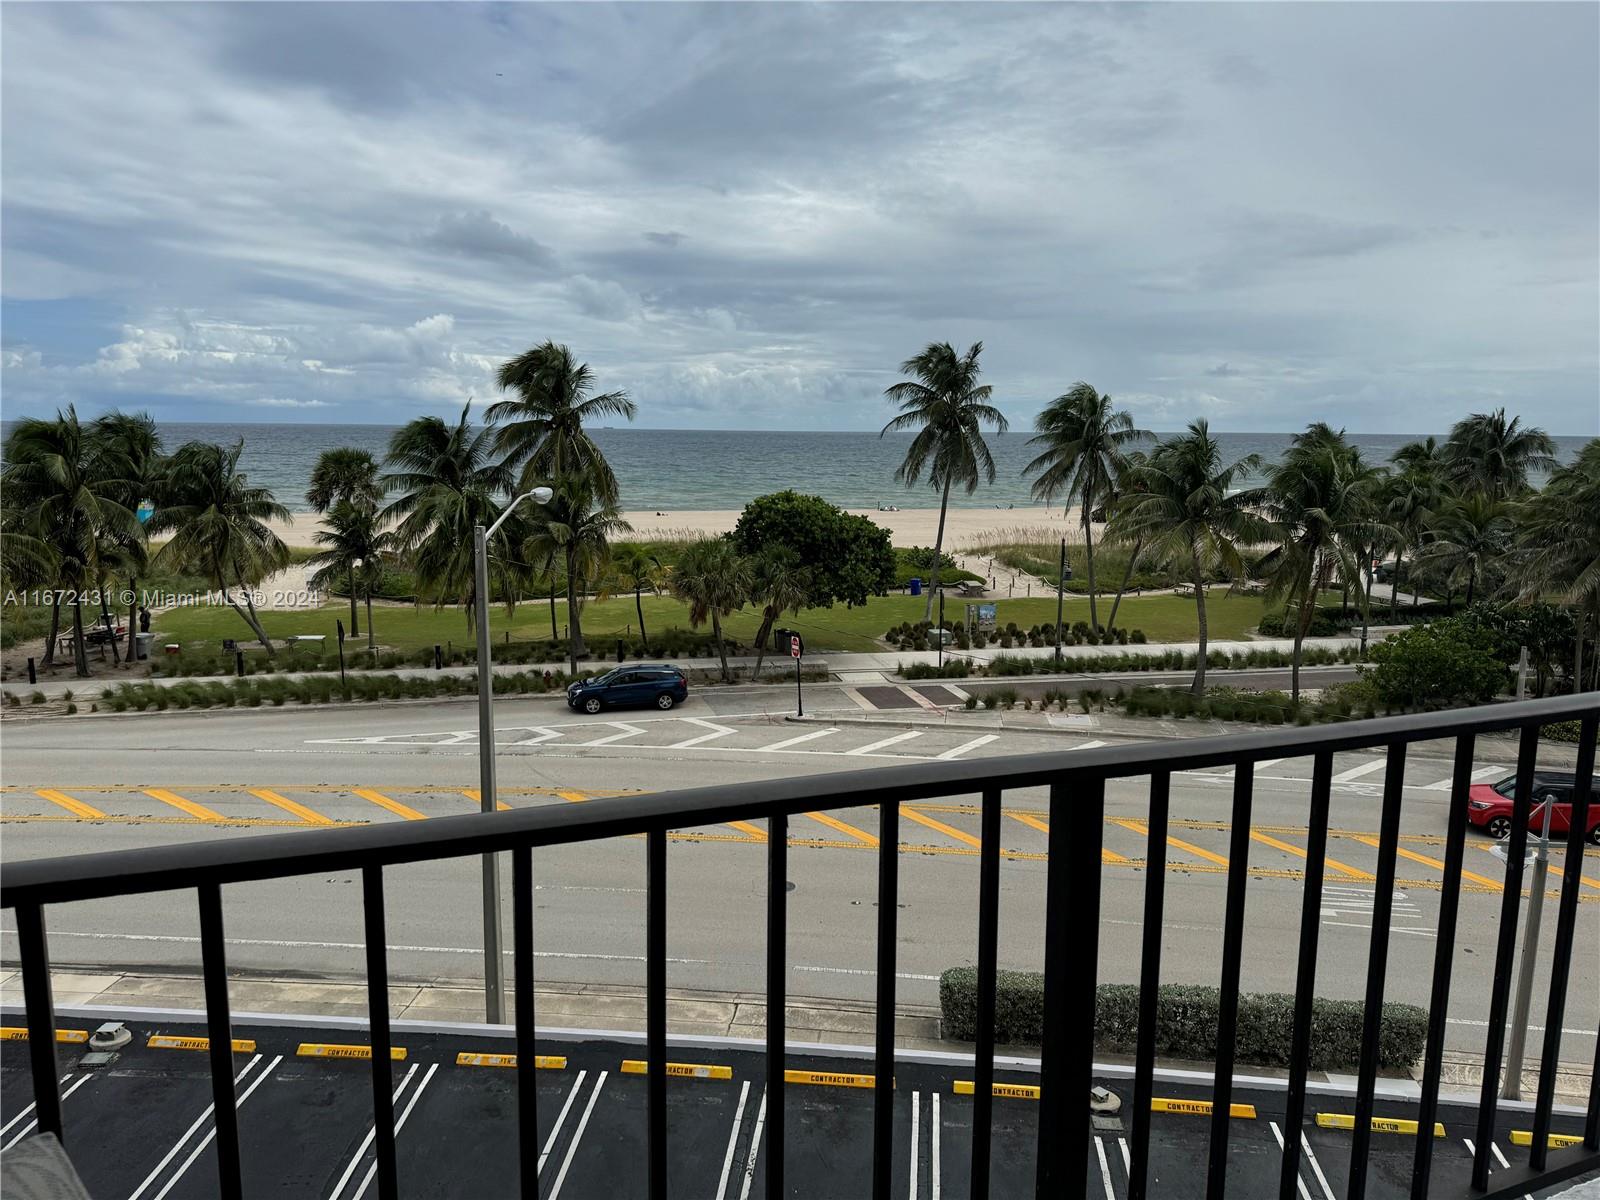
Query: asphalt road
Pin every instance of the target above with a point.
(116, 782)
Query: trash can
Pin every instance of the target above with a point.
(916, 585)
(141, 643)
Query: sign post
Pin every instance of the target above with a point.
(795, 649)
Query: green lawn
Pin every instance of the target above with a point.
(1163, 619)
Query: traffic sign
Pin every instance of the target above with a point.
(794, 645)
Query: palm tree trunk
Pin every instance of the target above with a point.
(722, 651)
(1394, 585)
(111, 626)
(1200, 617)
(1577, 662)
(248, 615)
(1302, 626)
(1088, 549)
(1366, 604)
(644, 639)
(1472, 582)
(554, 634)
(371, 645)
(767, 618)
(938, 547)
(1127, 574)
(355, 625)
(133, 625)
(49, 659)
(574, 625)
(80, 653)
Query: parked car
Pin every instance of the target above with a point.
(1489, 805)
(632, 686)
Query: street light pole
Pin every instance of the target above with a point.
(1512, 1089)
(494, 973)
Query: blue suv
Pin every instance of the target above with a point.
(630, 686)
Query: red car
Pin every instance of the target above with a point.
(1489, 805)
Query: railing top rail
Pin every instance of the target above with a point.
(243, 859)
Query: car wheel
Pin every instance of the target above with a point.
(1594, 836)
(1498, 828)
(665, 701)
(592, 705)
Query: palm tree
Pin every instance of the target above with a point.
(713, 580)
(638, 569)
(345, 475)
(1491, 456)
(1410, 499)
(1557, 543)
(574, 528)
(60, 473)
(1189, 518)
(133, 443)
(543, 431)
(1470, 535)
(1084, 447)
(354, 545)
(448, 483)
(780, 584)
(1318, 499)
(948, 407)
(219, 525)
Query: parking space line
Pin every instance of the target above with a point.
(577, 1135)
(804, 737)
(870, 747)
(958, 751)
(212, 1132)
(1127, 1159)
(1435, 863)
(361, 1150)
(6, 1128)
(76, 807)
(28, 1128)
(1277, 1133)
(1289, 848)
(755, 1148)
(561, 1119)
(189, 1133)
(198, 811)
(916, 1149)
(859, 835)
(940, 827)
(1316, 1167)
(933, 1167)
(1366, 768)
(1105, 1167)
(733, 1141)
(394, 806)
(416, 1094)
(309, 816)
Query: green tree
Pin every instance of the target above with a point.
(1084, 446)
(780, 583)
(1446, 662)
(446, 482)
(1410, 499)
(849, 556)
(1470, 538)
(575, 529)
(948, 407)
(1556, 547)
(714, 580)
(353, 545)
(218, 524)
(1489, 456)
(1189, 518)
(638, 569)
(345, 475)
(542, 431)
(132, 443)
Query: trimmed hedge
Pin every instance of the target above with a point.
(1186, 1021)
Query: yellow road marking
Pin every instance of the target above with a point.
(1106, 856)
(754, 831)
(1013, 1091)
(830, 1079)
(638, 1066)
(167, 1041)
(1379, 1124)
(1524, 1137)
(573, 795)
(198, 811)
(229, 822)
(1200, 1108)
(394, 806)
(1557, 871)
(1143, 831)
(332, 1050)
(476, 796)
(941, 827)
(1288, 848)
(19, 1033)
(76, 807)
(289, 806)
(1493, 885)
(542, 1062)
(860, 835)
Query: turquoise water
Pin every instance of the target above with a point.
(675, 470)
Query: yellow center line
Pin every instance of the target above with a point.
(1583, 879)
(1143, 830)
(1287, 848)
(394, 806)
(754, 831)
(860, 835)
(199, 811)
(476, 796)
(1492, 884)
(941, 827)
(76, 807)
(569, 794)
(289, 806)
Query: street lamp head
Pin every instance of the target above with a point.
(541, 495)
(358, 563)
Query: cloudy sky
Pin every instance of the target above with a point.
(1382, 215)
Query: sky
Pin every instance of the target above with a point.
(1379, 215)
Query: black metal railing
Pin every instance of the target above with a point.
(1077, 787)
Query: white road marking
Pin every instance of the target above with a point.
(1086, 745)
(628, 731)
(366, 1142)
(1278, 1133)
(577, 1135)
(919, 699)
(859, 700)
(1105, 1167)
(1127, 1160)
(577, 1086)
(1366, 768)
(1316, 1167)
(933, 1167)
(28, 1128)
(755, 1148)
(189, 1133)
(212, 1132)
(916, 1148)
(6, 1128)
(958, 751)
(717, 731)
(416, 1094)
(804, 737)
(882, 742)
(1444, 785)
(733, 1140)
(540, 736)
(1494, 1149)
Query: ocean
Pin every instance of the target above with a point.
(685, 470)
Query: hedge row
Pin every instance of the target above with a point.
(321, 689)
(1171, 660)
(1186, 1022)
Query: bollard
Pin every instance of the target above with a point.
(620, 655)
(238, 662)
(438, 657)
(32, 678)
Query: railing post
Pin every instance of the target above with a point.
(219, 1028)
(34, 954)
(378, 1022)
(527, 1047)
(883, 1055)
(777, 994)
(988, 955)
(656, 1012)
(1232, 954)
(1155, 885)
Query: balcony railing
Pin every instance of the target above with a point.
(1077, 788)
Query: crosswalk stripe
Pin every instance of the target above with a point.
(76, 807)
(476, 796)
(882, 742)
(394, 806)
(804, 737)
(307, 815)
(860, 835)
(1432, 862)
(1444, 785)
(941, 827)
(958, 751)
(1288, 848)
(1366, 768)
(1086, 745)
(199, 811)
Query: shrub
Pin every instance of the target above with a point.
(36, 698)
(1560, 731)
(955, 669)
(1448, 662)
(71, 708)
(1186, 1021)
(971, 702)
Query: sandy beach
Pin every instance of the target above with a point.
(964, 527)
